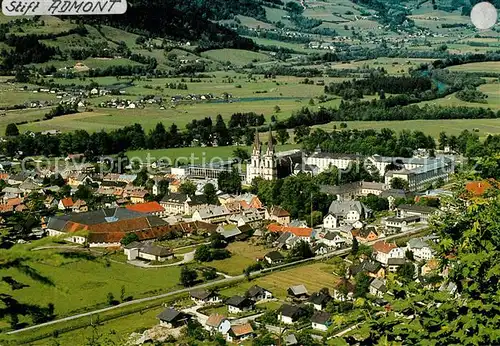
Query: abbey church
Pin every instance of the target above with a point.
(262, 164)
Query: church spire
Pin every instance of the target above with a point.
(270, 141)
(256, 142)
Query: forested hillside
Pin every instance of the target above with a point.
(185, 20)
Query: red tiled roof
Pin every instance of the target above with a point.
(14, 201)
(148, 207)
(382, 246)
(67, 202)
(242, 329)
(297, 231)
(4, 176)
(5, 208)
(215, 320)
(478, 188)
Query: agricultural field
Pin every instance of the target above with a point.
(236, 56)
(76, 282)
(393, 66)
(313, 276)
(431, 127)
(493, 100)
(243, 254)
(108, 118)
(490, 67)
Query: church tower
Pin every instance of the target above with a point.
(270, 171)
(262, 164)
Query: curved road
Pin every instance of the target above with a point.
(209, 284)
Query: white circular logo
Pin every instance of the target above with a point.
(484, 15)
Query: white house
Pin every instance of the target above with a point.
(383, 251)
(320, 320)
(217, 323)
(240, 332)
(258, 293)
(237, 304)
(420, 249)
(330, 221)
(204, 297)
(147, 251)
(346, 212)
(289, 314)
(333, 240)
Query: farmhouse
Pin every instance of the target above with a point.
(211, 214)
(181, 204)
(147, 251)
(217, 323)
(274, 257)
(320, 320)
(288, 314)
(333, 240)
(172, 318)
(258, 293)
(240, 332)
(204, 297)
(365, 234)
(65, 204)
(319, 300)
(237, 304)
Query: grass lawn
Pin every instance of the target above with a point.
(313, 276)
(430, 127)
(243, 255)
(80, 284)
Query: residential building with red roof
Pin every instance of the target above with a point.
(383, 251)
(304, 233)
(278, 214)
(150, 208)
(65, 203)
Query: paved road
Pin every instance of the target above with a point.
(209, 284)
